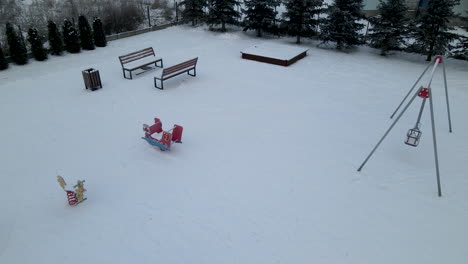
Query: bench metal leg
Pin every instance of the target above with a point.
(156, 84)
(125, 76)
(156, 64)
(194, 72)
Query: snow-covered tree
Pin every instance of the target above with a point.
(432, 28)
(86, 36)
(193, 10)
(341, 25)
(70, 37)
(390, 27)
(37, 48)
(301, 18)
(260, 15)
(18, 51)
(98, 31)
(3, 61)
(222, 12)
(55, 40)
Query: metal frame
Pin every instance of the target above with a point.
(139, 67)
(438, 60)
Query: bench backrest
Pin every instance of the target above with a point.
(181, 66)
(136, 55)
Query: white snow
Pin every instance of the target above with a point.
(266, 172)
(274, 50)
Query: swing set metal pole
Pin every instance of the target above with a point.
(409, 92)
(439, 190)
(447, 99)
(389, 129)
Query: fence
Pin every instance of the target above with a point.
(125, 34)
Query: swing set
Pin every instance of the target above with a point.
(413, 135)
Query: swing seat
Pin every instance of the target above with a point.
(413, 136)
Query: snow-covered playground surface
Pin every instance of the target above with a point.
(266, 172)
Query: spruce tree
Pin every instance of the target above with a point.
(432, 29)
(260, 15)
(341, 25)
(70, 37)
(38, 50)
(390, 27)
(222, 12)
(18, 51)
(86, 36)
(300, 18)
(3, 61)
(193, 10)
(55, 40)
(98, 32)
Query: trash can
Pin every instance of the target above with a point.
(92, 79)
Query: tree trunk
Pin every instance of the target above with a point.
(223, 26)
(431, 50)
(259, 32)
(298, 39)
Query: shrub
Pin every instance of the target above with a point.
(18, 51)
(38, 50)
(55, 40)
(86, 36)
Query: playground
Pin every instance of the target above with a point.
(266, 168)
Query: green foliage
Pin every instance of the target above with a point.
(55, 40)
(260, 15)
(86, 36)
(390, 28)
(432, 29)
(70, 37)
(193, 10)
(222, 12)
(341, 25)
(300, 18)
(98, 32)
(18, 51)
(37, 48)
(3, 61)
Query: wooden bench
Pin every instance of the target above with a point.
(175, 70)
(139, 60)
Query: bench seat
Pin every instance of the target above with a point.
(167, 73)
(139, 60)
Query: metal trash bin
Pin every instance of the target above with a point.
(92, 79)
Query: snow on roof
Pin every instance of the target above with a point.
(274, 50)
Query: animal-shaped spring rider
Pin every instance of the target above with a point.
(74, 197)
(172, 135)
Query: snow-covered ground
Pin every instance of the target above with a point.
(266, 172)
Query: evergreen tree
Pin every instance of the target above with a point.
(341, 25)
(432, 30)
(390, 26)
(86, 36)
(55, 40)
(18, 51)
(98, 31)
(222, 12)
(193, 10)
(3, 61)
(70, 37)
(299, 18)
(260, 15)
(38, 50)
